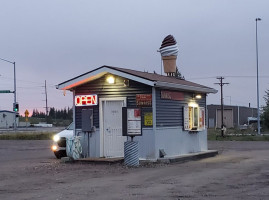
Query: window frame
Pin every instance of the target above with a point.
(194, 118)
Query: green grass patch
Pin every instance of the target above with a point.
(27, 136)
(235, 135)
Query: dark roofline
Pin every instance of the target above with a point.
(152, 79)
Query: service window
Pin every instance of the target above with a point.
(194, 118)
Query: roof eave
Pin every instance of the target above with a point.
(184, 87)
(92, 75)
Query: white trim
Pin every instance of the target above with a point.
(184, 87)
(154, 108)
(101, 119)
(74, 114)
(90, 76)
(154, 125)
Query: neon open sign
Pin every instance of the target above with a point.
(86, 100)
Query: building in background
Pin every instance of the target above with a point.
(233, 116)
(7, 119)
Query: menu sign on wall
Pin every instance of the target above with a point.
(172, 95)
(148, 120)
(144, 100)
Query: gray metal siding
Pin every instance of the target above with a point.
(105, 90)
(170, 112)
(244, 113)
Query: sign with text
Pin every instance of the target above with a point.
(86, 100)
(144, 100)
(131, 122)
(172, 95)
(148, 119)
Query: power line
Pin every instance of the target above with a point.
(228, 76)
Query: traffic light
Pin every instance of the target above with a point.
(16, 107)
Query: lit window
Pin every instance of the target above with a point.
(194, 117)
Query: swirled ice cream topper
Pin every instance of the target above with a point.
(169, 46)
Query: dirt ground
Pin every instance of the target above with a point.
(28, 170)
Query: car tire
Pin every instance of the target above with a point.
(60, 154)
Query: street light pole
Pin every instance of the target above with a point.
(257, 57)
(15, 101)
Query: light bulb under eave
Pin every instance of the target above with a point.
(198, 96)
(110, 80)
(193, 104)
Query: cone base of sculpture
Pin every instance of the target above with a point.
(169, 64)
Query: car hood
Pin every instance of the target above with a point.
(66, 133)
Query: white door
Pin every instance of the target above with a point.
(113, 141)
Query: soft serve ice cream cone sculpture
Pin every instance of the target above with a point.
(169, 52)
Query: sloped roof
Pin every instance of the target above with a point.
(152, 79)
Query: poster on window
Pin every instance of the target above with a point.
(202, 118)
(186, 118)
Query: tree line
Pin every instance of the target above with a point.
(65, 113)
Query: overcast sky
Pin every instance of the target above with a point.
(55, 40)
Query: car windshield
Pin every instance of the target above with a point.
(71, 126)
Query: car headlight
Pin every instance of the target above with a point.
(54, 147)
(56, 138)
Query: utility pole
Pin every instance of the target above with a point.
(221, 99)
(46, 101)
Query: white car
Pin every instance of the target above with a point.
(59, 141)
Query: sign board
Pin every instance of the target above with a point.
(26, 113)
(131, 122)
(144, 100)
(148, 119)
(86, 100)
(5, 91)
(172, 95)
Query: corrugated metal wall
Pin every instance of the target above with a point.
(240, 114)
(104, 90)
(170, 112)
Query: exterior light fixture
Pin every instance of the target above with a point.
(193, 104)
(198, 96)
(110, 79)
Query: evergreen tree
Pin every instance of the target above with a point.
(179, 75)
(65, 113)
(265, 113)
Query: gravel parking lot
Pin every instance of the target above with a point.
(29, 170)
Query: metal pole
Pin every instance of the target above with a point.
(257, 57)
(222, 109)
(15, 101)
(46, 101)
